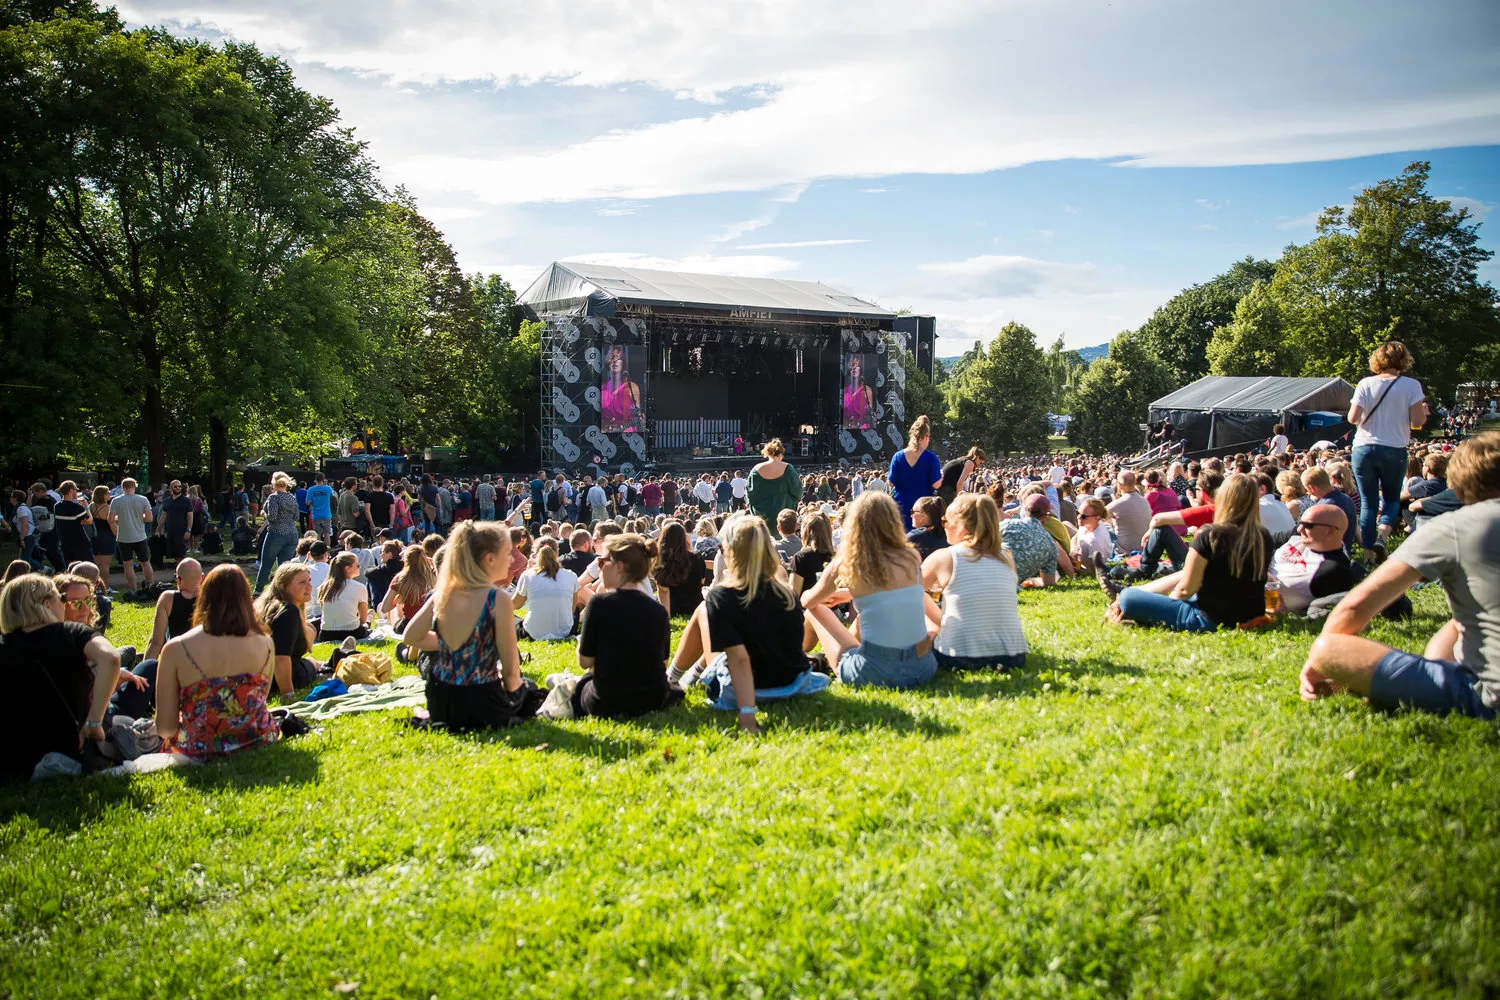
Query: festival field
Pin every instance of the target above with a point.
(1134, 814)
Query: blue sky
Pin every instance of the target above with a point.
(1069, 164)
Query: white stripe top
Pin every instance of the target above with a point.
(980, 618)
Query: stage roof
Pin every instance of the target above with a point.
(1268, 394)
(595, 290)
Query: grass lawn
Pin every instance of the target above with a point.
(1134, 814)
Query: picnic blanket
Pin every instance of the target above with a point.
(403, 692)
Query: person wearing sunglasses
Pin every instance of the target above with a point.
(1313, 563)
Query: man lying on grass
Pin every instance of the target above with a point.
(1460, 668)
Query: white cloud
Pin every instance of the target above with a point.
(806, 89)
(747, 265)
(1305, 221)
(1479, 210)
(1212, 206)
(873, 190)
(792, 245)
(1002, 277)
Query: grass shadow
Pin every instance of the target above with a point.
(290, 762)
(1025, 681)
(67, 804)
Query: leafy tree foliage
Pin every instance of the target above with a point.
(1064, 369)
(1255, 343)
(1113, 396)
(999, 400)
(1180, 330)
(1397, 265)
(924, 397)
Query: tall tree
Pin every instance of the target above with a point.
(1255, 342)
(1179, 331)
(1113, 396)
(1398, 264)
(1000, 400)
(923, 397)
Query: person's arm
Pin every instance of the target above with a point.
(362, 612)
(189, 532)
(388, 602)
(1192, 576)
(937, 570)
(664, 595)
(418, 632)
(159, 627)
(1389, 581)
(106, 661)
(743, 679)
(1418, 413)
(509, 652)
(821, 591)
(168, 694)
(1356, 414)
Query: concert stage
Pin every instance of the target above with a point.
(641, 366)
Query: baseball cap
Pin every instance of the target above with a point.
(1038, 503)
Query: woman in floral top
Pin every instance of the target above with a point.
(280, 543)
(213, 683)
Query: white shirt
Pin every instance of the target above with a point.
(1276, 518)
(1390, 424)
(343, 611)
(1280, 445)
(549, 603)
(739, 484)
(317, 572)
(703, 491)
(1056, 474)
(597, 502)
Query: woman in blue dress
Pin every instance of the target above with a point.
(915, 471)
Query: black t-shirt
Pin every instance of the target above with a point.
(576, 562)
(381, 503)
(770, 631)
(808, 563)
(68, 515)
(1228, 599)
(927, 540)
(629, 637)
(47, 682)
(1334, 575)
(175, 511)
(952, 472)
(287, 634)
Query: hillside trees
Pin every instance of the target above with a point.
(999, 399)
(1179, 331)
(1113, 396)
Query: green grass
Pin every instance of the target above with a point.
(1135, 814)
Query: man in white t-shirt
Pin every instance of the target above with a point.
(1275, 517)
(738, 485)
(704, 491)
(133, 512)
(1130, 512)
(1056, 474)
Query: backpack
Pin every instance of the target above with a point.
(555, 500)
(42, 519)
(632, 496)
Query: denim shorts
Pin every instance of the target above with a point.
(1406, 679)
(1002, 663)
(884, 666)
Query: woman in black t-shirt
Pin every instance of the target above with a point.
(57, 677)
(1223, 581)
(751, 619)
(679, 572)
(281, 608)
(810, 560)
(625, 639)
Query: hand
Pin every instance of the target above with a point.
(747, 724)
(1314, 684)
(137, 681)
(90, 731)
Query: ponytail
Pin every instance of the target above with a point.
(919, 430)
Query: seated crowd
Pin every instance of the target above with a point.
(868, 587)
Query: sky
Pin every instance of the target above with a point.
(1069, 164)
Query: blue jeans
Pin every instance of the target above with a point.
(1145, 608)
(275, 549)
(1164, 541)
(1378, 472)
(29, 552)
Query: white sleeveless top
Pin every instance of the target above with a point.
(979, 609)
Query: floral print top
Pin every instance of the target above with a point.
(221, 715)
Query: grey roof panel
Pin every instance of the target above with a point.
(1265, 394)
(567, 285)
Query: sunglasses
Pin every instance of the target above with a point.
(1310, 525)
(81, 603)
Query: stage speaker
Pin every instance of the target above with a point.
(921, 339)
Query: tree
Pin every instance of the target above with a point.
(1255, 343)
(1396, 265)
(924, 397)
(1064, 368)
(999, 400)
(1178, 332)
(1114, 395)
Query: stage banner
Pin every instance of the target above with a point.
(872, 394)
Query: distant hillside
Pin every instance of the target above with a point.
(1088, 354)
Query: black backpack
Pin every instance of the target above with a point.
(555, 500)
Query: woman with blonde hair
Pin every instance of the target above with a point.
(1289, 487)
(626, 636)
(344, 600)
(915, 472)
(280, 543)
(1094, 543)
(58, 677)
(475, 680)
(750, 619)
(1387, 406)
(1223, 580)
(879, 571)
(979, 626)
(282, 611)
(410, 587)
(549, 594)
(774, 485)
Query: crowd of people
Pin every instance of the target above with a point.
(861, 576)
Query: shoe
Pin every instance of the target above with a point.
(128, 657)
(1379, 552)
(349, 645)
(1101, 573)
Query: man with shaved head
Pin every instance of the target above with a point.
(1130, 511)
(1313, 563)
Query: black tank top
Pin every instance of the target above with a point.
(180, 617)
(948, 487)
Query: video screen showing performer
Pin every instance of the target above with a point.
(859, 393)
(620, 394)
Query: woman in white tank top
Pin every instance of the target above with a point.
(979, 625)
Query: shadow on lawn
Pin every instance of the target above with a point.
(1028, 680)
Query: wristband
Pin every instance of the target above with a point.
(747, 709)
(91, 724)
